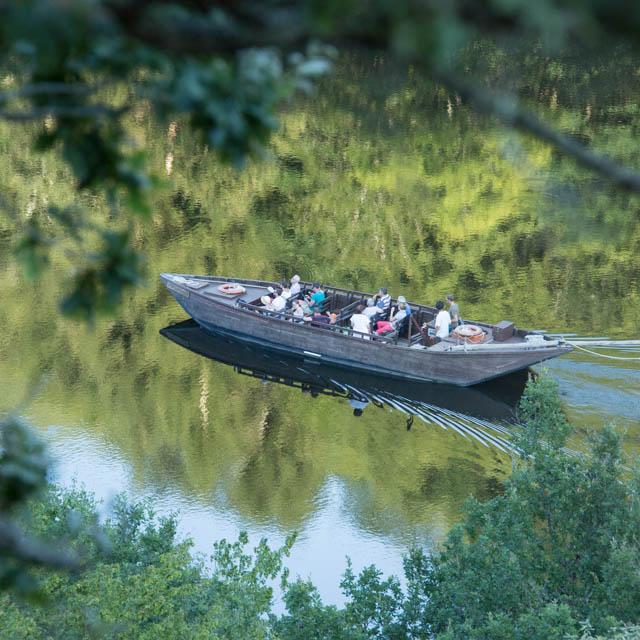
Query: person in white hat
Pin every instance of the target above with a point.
(402, 299)
(295, 286)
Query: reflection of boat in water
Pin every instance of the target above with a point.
(233, 308)
(471, 412)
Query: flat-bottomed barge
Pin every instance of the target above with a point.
(400, 355)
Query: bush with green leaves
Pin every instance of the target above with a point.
(556, 556)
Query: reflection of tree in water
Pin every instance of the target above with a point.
(368, 178)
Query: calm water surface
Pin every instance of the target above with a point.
(380, 178)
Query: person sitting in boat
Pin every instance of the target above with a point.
(285, 291)
(383, 302)
(316, 301)
(266, 301)
(320, 318)
(371, 310)
(454, 311)
(279, 302)
(443, 320)
(402, 299)
(360, 322)
(294, 290)
(395, 320)
(299, 307)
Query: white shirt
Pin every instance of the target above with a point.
(294, 289)
(286, 293)
(443, 320)
(360, 322)
(278, 304)
(371, 311)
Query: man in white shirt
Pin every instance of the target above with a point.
(443, 320)
(360, 322)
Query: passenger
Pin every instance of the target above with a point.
(304, 305)
(395, 320)
(286, 291)
(443, 320)
(317, 297)
(298, 310)
(295, 286)
(454, 311)
(320, 318)
(266, 303)
(279, 302)
(360, 322)
(403, 299)
(383, 301)
(333, 318)
(371, 311)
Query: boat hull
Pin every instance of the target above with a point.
(458, 368)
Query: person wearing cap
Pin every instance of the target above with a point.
(395, 320)
(402, 299)
(454, 311)
(443, 320)
(266, 302)
(295, 286)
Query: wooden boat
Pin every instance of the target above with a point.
(232, 307)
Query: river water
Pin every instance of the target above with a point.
(379, 178)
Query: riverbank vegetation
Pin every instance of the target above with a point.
(556, 555)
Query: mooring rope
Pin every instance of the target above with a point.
(602, 355)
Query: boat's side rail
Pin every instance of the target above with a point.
(284, 316)
(352, 295)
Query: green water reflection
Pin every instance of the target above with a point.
(380, 178)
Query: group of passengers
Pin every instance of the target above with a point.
(305, 306)
(377, 316)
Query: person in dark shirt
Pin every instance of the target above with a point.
(320, 318)
(454, 311)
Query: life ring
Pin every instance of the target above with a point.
(469, 333)
(232, 289)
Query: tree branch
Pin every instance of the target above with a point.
(16, 544)
(510, 113)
